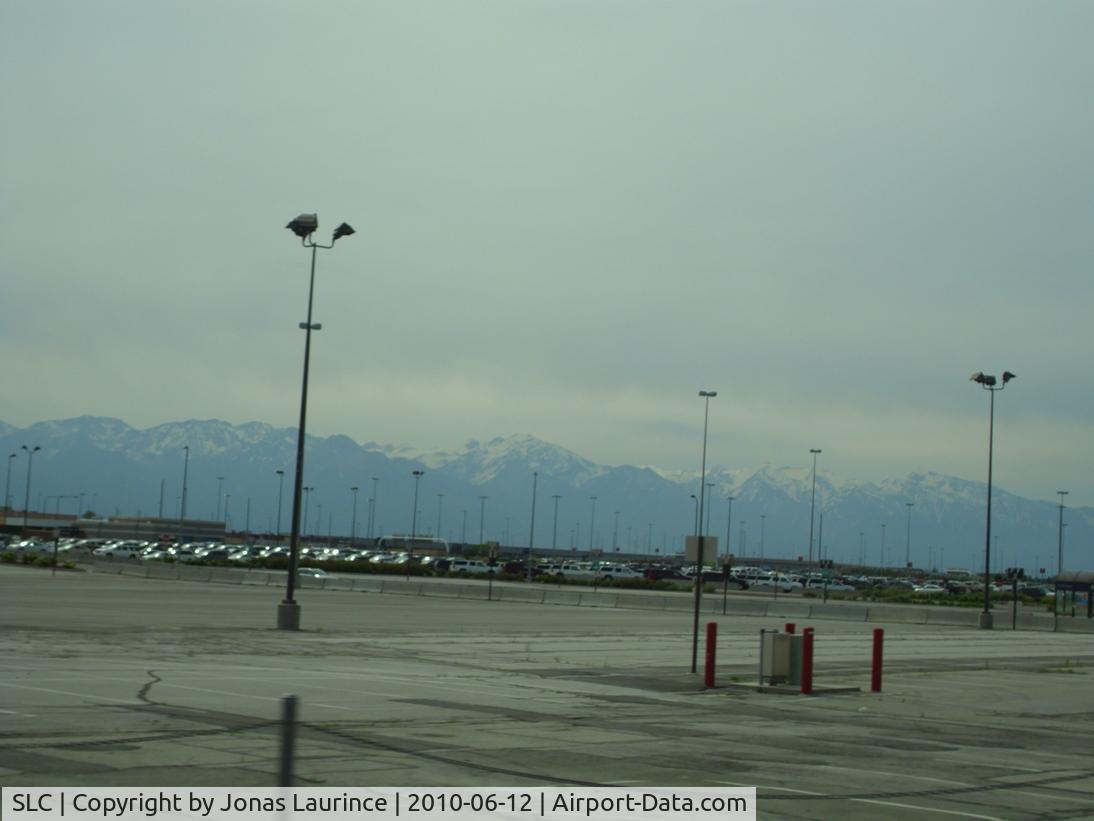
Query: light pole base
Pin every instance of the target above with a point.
(985, 622)
(288, 616)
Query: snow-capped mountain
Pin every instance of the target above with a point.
(113, 468)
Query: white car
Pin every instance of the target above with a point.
(34, 546)
(122, 550)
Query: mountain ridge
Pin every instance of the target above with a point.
(127, 467)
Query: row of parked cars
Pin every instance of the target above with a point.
(743, 577)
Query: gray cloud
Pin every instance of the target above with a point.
(571, 217)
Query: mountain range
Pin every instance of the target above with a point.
(107, 467)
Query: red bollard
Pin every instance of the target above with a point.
(807, 661)
(789, 628)
(875, 673)
(712, 641)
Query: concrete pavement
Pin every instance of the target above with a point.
(112, 680)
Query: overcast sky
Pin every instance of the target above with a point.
(571, 216)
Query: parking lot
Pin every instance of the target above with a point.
(113, 680)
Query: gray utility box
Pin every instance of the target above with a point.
(781, 658)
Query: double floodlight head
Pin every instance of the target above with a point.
(988, 381)
(710, 394)
(306, 224)
(982, 378)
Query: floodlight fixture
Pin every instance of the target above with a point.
(343, 230)
(304, 225)
(1007, 376)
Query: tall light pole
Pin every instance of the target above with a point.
(307, 497)
(532, 531)
(220, 488)
(353, 518)
(908, 543)
(1059, 562)
(26, 502)
(812, 501)
(7, 485)
(440, 511)
(592, 525)
(554, 530)
(482, 518)
(706, 396)
(1060, 537)
(417, 474)
(463, 531)
(695, 499)
(280, 487)
(615, 533)
(182, 496)
(763, 519)
(988, 383)
(729, 523)
(413, 521)
(163, 483)
(304, 226)
(883, 562)
(375, 496)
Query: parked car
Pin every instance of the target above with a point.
(658, 571)
(571, 570)
(122, 550)
(1035, 591)
(154, 554)
(459, 567)
(608, 572)
(34, 546)
(312, 572)
(218, 554)
(833, 586)
(783, 583)
(518, 567)
(929, 590)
